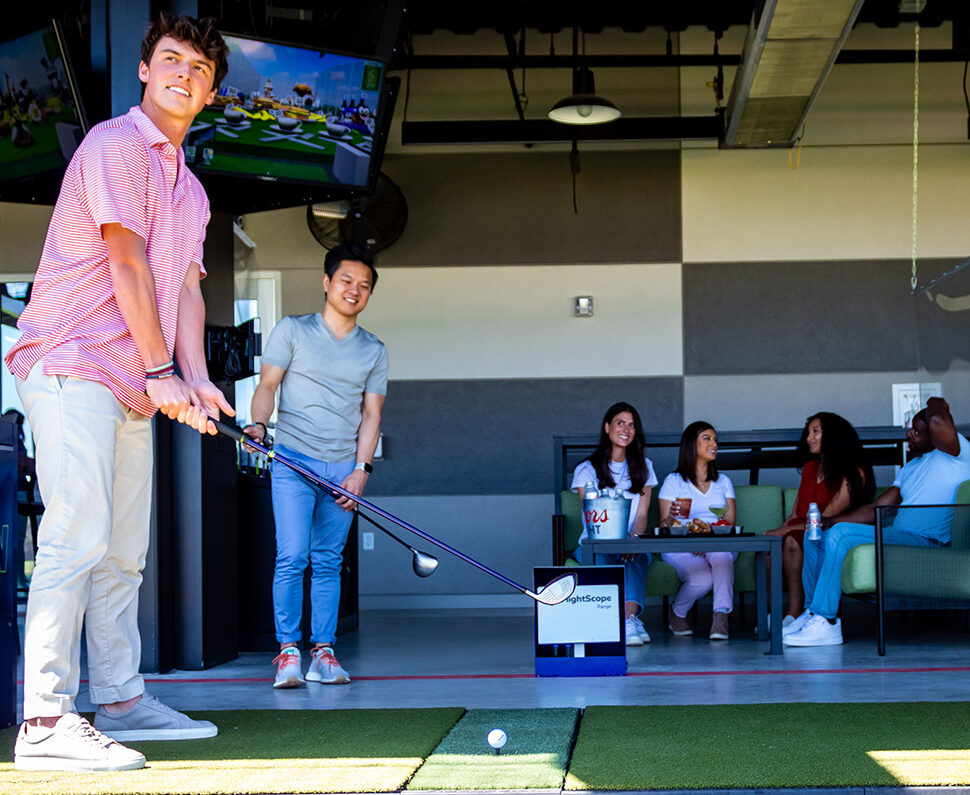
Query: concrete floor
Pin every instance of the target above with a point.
(485, 659)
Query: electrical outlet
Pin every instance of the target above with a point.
(367, 540)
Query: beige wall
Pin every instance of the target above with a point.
(846, 202)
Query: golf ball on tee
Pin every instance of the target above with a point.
(497, 738)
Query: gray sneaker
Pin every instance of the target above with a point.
(150, 719)
(325, 669)
(72, 744)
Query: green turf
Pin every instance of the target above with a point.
(772, 745)
(266, 751)
(535, 756)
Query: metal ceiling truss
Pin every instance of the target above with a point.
(790, 49)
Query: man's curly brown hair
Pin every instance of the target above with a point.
(200, 33)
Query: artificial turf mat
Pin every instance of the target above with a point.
(265, 751)
(534, 757)
(772, 745)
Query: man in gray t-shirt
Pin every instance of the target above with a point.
(332, 377)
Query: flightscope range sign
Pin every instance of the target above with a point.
(590, 615)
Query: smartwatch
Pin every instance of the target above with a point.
(364, 467)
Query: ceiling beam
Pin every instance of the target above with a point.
(650, 128)
(790, 48)
(444, 62)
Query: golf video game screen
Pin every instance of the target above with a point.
(285, 113)
(40, 119)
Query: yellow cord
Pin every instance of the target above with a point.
(798, 156)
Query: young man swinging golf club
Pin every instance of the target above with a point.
(332, 377)
(116, 297)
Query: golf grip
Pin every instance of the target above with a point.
(236, 434)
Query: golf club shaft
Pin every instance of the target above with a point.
(381, 527)
(236, 433)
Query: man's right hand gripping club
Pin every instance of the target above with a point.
(192, 405)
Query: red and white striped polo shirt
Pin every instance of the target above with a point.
(126, 171)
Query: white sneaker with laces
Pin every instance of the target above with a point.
(289, 669)
(633, 632)
(816, 632)
(641, 630)
(72, 744)
(325, 669)
(150, 719)
(796, 624)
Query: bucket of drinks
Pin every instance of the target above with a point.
(606, 513)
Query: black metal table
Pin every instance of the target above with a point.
(761, 545)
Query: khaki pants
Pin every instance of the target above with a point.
(94, 468)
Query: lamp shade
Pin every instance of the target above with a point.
(584, 106)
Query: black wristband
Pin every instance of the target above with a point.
(263, 426)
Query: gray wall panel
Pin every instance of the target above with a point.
(495, 209)
(798, 317)
(510, 533)
(495, 436)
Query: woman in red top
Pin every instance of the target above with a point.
(837, 477)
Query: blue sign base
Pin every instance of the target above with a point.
(580, 666)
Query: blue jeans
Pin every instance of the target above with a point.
(311, 529)
(822, 569)
(634, 573)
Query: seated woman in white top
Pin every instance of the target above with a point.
(696, 487)
(619, 462)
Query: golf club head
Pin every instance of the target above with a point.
(423, 564)
(559, 590)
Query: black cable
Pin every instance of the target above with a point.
(966, 98)
(574, 168)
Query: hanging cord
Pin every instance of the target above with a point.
(798, 153)
(966, 97)
(409, 47)
(524, 94)
(574, 168)
(913, 280)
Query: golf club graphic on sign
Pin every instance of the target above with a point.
(555, 592)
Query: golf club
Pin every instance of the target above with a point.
(559, 590)
(422, 563)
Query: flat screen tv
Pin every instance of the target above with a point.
(41, 118)
(289, 117)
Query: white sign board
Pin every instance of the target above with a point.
(591, 615)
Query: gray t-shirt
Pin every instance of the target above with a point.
(324, 384)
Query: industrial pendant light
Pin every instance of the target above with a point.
(584, 107)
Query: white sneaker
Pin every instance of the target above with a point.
(641, 630)
(796, 623)
(289, 669)
(787, 621)
(633, 632)
(325, 669)
(72, 744)
(816, 632)
(150, 719)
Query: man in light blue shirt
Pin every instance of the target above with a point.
(332, 377)
(940, 465)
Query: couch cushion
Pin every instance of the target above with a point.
(760, 508)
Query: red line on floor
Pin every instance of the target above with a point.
(437, 677)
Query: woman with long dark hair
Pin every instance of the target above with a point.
(836, 476)
(696, 490)
(619, 462)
